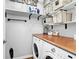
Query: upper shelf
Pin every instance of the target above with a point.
(20, 9)
(20, 13)
(69, 6)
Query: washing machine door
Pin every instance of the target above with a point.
(36, 50)
(48, 57)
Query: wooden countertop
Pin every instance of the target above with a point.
(66, 43)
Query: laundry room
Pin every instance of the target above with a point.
(39, 29)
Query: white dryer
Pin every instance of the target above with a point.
(37, 48)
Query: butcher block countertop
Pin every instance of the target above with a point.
(65, 43)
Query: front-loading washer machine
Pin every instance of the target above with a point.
(49, 51)
(37, 48)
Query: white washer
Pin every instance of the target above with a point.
(52, 52)
(37, 48)
(48, 51)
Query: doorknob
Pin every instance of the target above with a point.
(4, 41)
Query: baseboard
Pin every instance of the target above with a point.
(27, 56)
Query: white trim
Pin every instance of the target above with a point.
(22, 57)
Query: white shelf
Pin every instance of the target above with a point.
(69, 22)
(20, 13)
(69, 6)
(51, 23)
(19, 9)
(66, 7)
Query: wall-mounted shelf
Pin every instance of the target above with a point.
(62, 23)
(51, 23)
(69, 5)
(69, 22)
(20, 10)
(24, 14)
(66, 7)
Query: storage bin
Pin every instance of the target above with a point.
(62, 16)
(59, 17)
(59, 3)
(49, 20)
(74, 14)
(48, 9)
(69, 17)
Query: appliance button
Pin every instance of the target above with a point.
(70, 56)
(53, 50)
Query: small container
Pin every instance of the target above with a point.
(49, 20)
(50, 33)
(56, 33)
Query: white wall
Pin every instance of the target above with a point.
(19, 35)
(71, 29)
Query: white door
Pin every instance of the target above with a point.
(4, 44)
(16, 37)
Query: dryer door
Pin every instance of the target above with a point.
(36, 50)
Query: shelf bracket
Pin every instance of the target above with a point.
(63, 10)
(5, 14)
(65, 26)
(51, 26)
(39, 17)
(30, 16)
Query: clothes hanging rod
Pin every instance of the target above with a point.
(16, 20)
